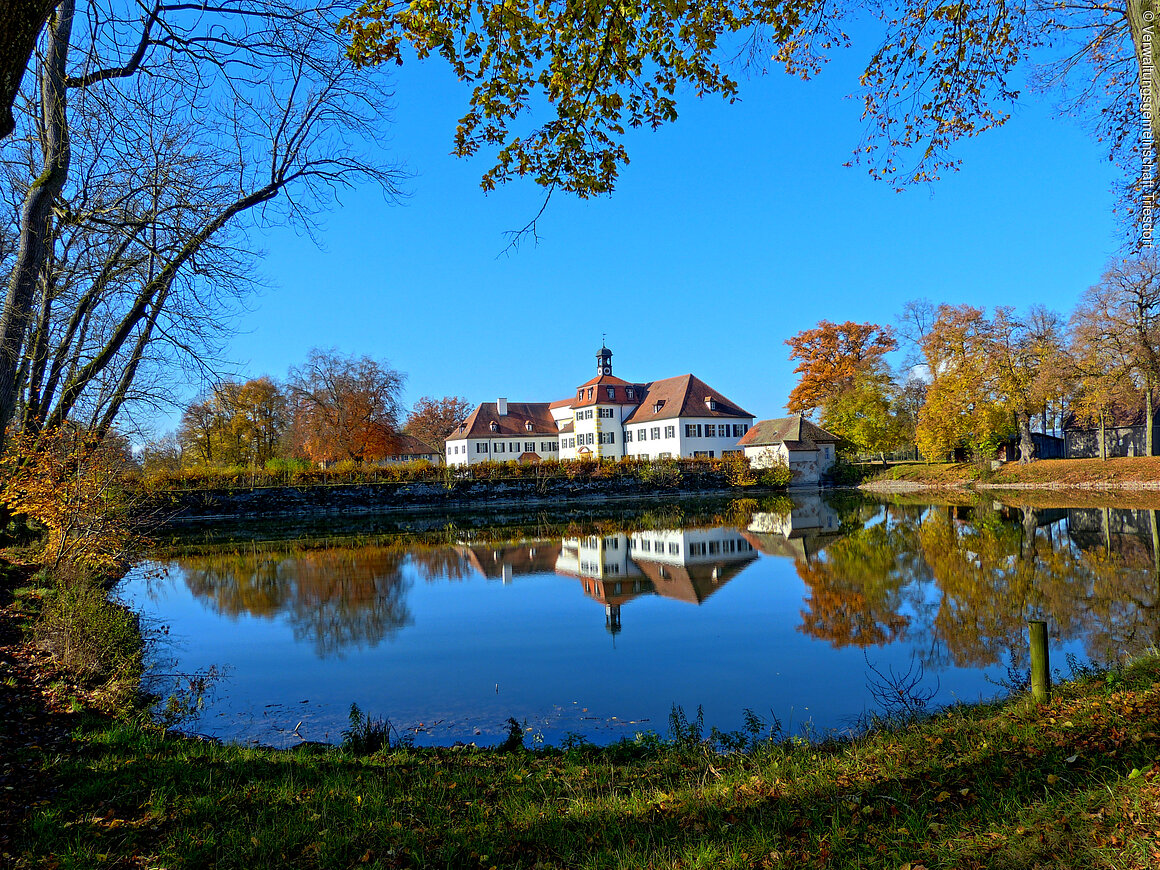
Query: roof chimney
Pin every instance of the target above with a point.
(501, 407)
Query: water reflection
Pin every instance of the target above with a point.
(680, 564)
(956, 583)
(334, 598)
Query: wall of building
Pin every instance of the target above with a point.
(808, 466)
(468, 453)
(1120, 440)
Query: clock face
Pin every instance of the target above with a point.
(608, 370)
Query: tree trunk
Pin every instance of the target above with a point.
(1030, 524)
(1148, 413)
(35, 216)
(1103, 437)
(1143, 29)
(21, 22)
(1026, 440)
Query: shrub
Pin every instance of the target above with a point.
(94, 639)
(663, 473)
(845, 473)
(737, 470)
(73, 488)
(776, 477)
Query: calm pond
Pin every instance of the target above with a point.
(596, 623)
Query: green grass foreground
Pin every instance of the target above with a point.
(1075, 783)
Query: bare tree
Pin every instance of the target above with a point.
(157, 138)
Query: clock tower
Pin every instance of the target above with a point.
(604, 361)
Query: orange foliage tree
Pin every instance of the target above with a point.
(432, 420)
(832, 356)
(843, 372)
(343, 407)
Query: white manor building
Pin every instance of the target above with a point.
(606, 418)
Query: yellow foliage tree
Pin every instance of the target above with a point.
(72, 487)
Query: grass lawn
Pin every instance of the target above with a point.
(1071, 784)
(1061, 473)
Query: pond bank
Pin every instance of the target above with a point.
(1070, 784)
(181, 506)
(1140, 474)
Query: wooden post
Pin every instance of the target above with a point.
(1040, 669)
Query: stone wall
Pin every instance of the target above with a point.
(383, 497)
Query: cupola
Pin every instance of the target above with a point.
(603, 361)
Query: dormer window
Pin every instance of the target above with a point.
(590, 392)
(710, 403)
(629, 392)
(612, 392)
(494, 426)
(580, 395)
(657, 407)
(528, 425)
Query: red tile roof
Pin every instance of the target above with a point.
(409, 445)
(511, 425)
(684, 396)
(600, 386)
(692, 583)
(797, 433)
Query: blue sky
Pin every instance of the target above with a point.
(731, 230)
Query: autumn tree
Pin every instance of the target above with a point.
(989, 377)
(961, 408)
(940, 72)
(236, 424)
(1117, 326)
(1026, 357)
(1100, 364)
(432, 420)
(343, 407)
(160, 454)
(844, 375)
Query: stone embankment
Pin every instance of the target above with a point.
(335, 499)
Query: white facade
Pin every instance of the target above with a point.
(607, 419)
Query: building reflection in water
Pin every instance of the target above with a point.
(686, 565)
(958, 582)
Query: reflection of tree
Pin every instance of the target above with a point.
(336, 597)
(993, 571)
(441, 563)
(856, 591)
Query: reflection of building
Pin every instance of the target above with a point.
(685, 565)
(607, 418)
(507, 561)
(800, 533)
(1127, 532)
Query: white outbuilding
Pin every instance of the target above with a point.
(806, 448)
